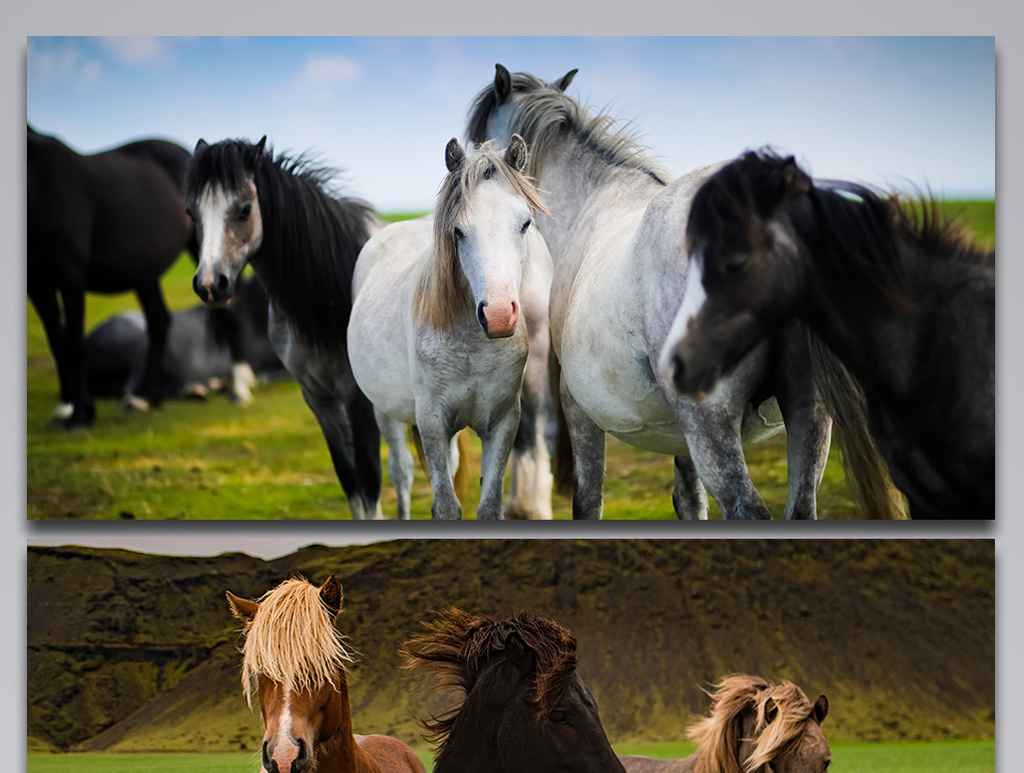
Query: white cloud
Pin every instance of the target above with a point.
(332, 69)
(136, 50)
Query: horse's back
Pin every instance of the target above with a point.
(390, 754)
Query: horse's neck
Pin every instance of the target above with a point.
(340, 753)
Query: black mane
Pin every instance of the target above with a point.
(311, 235)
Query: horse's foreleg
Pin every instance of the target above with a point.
(158, 323)
(588, 450)
(496, 442)
(349, 438)
(74, 339)
(400, 461)
(45, 301)
(689, 499)
(808, 424)
(440, 454)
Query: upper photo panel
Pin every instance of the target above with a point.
(531, 278)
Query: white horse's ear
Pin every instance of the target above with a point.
(515, 153)
(454, 155)
(502, 83)
(200, 146)
(563, 83)
(330, 595)
(243, 609)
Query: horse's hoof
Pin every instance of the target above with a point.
(133, 403)
(195, 392)
(62, 412)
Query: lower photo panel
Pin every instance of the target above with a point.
(626, 656)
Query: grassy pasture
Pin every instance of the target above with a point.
(216, 460)
(967, 756)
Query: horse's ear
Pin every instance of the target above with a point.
(563, 83)
(820, 710)
(515, 153)
(771, 710)
(200, 146)
(243, 609)
(454, 155)
(519, 655)
(502, 83)
(255, 154)
(794, 178)
(330, 595)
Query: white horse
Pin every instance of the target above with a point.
(433, 337)
(617, 241)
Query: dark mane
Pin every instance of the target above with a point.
(544, 114)
(458, 645)
(311, 235)
(856, 229)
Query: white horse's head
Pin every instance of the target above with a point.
(484, 215)
(224, 205)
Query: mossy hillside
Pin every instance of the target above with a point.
(899, 634)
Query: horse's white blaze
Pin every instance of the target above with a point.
(285, 750)
(222, 249)
(694, 298)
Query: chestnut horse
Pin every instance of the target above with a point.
(754, 727)
(293, 661)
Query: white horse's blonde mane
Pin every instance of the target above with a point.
(292, 640)
(441, 296)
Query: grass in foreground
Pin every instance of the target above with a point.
(967, 756)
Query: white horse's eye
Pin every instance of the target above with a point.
(459, 234)
(245, 212)
(526, 225)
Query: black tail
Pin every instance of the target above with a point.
(867, 474)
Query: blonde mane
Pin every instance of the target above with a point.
(292, 640)
(719, 734)
(442, 293)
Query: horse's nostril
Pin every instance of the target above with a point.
(481, 316)
(266, 758)
(301, 762)
(222, 283)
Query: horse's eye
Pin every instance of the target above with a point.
(557, 716)
(245, 212)
(458, 233)
(734, 263)
(526, 225)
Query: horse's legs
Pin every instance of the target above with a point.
(717, 454)
(808, 424)
(689, 498)
(348, 440)
(74, 341)
(496, 441)
(158, 323)
(588, 450)
(440, 454)
(531, 480)
(400, 461)
(45, 301)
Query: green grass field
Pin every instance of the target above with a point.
(217, 460)
(970, 756)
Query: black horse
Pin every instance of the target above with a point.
(108, 223)
(280, 215)
(199, 351)
(905, 302)
(524, 706)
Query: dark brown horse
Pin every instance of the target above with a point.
(293, 662)
(904, 301)
(524, 707)
(754, 727)
(107, 223)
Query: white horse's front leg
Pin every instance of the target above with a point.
(400, 461)
(496, 445)
(437, 444)
(588, 452)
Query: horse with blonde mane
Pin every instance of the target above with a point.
(521, 703)
(293, 662)
(435, 337)
(754, 727)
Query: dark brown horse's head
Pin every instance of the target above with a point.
(523, 707)
(294, 664)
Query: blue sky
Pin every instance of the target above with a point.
(888, 111)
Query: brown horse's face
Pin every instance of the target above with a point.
(295, 722)
(810, 755)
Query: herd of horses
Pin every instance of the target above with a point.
(520, 702)
(683, 315)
